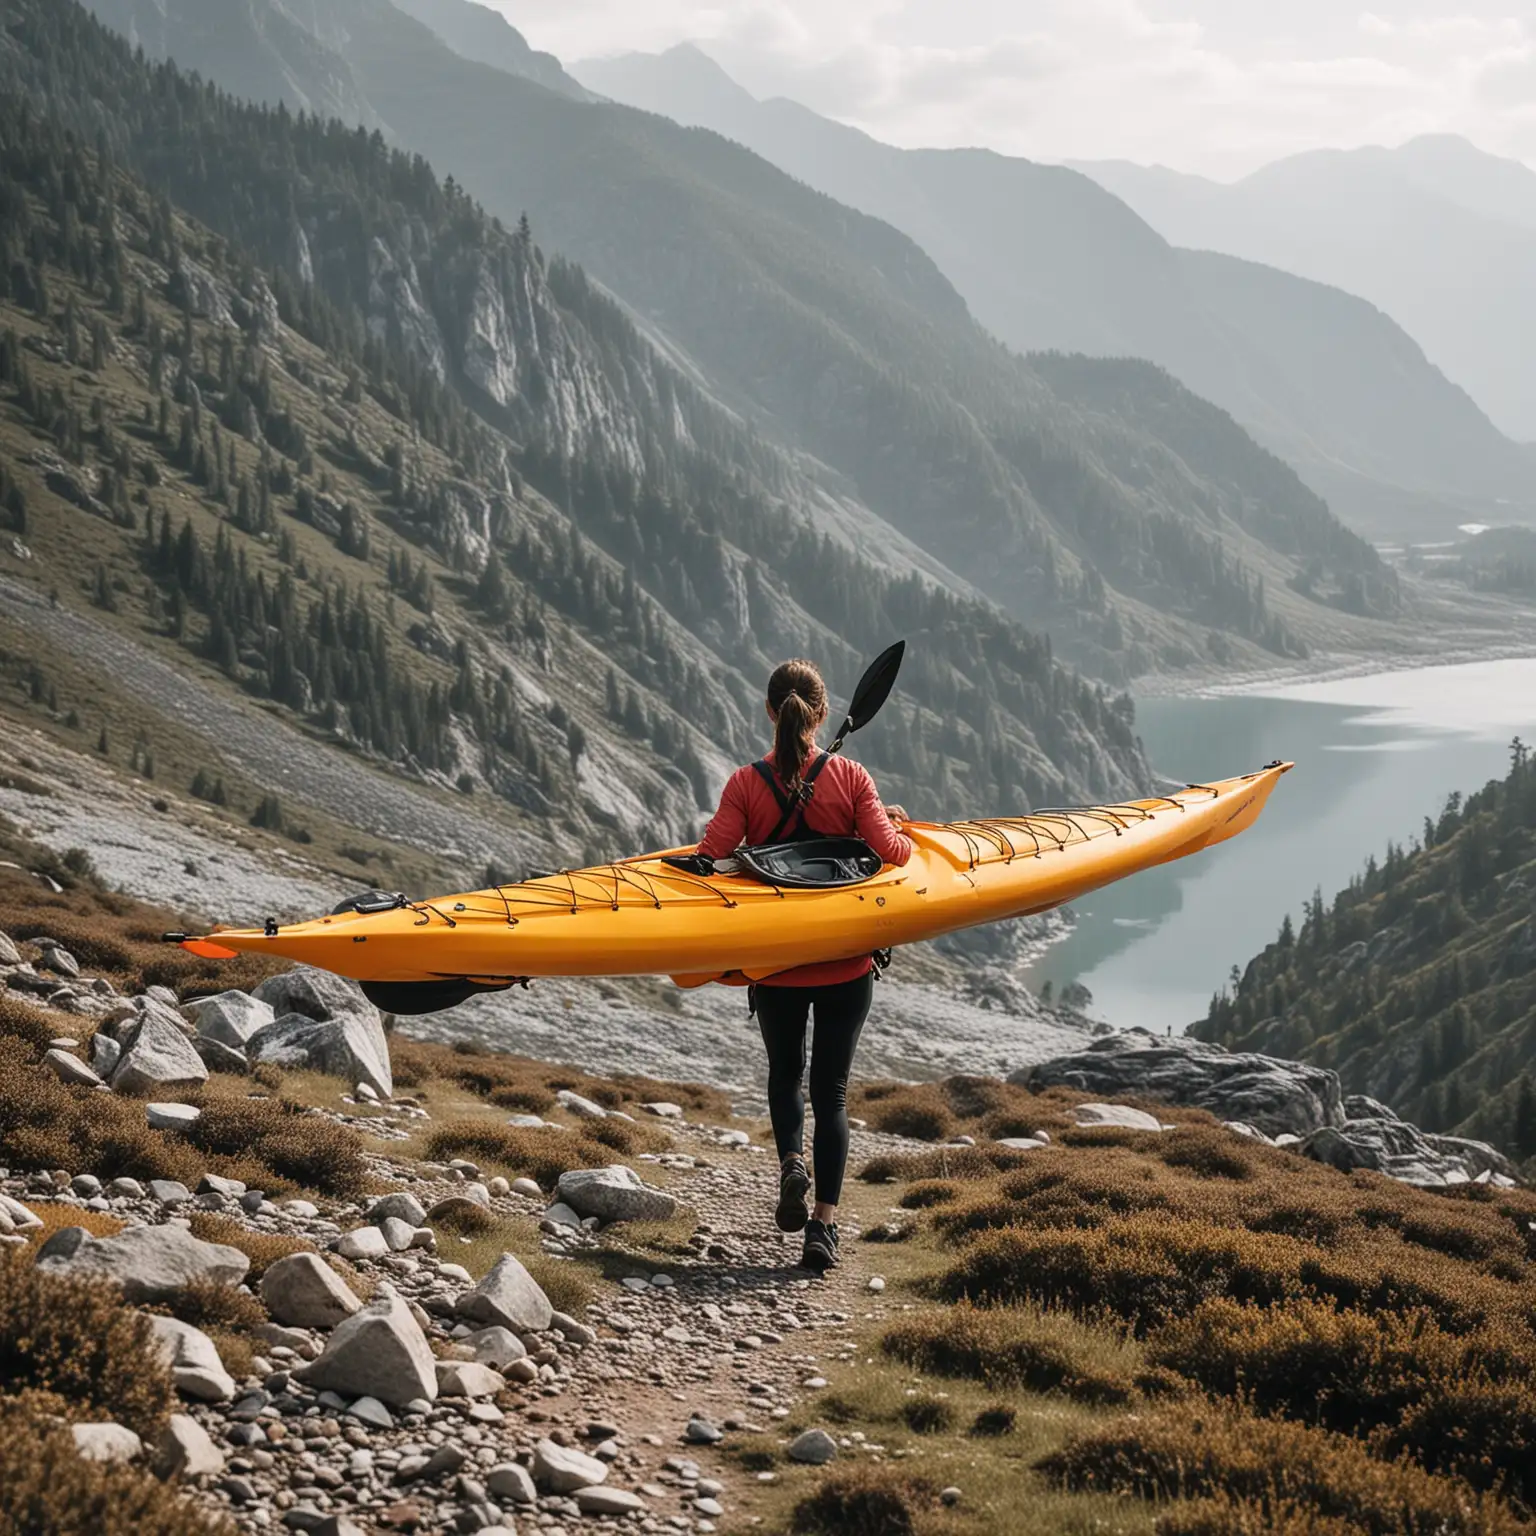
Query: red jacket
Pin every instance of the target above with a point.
(844, 803)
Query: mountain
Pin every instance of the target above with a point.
(1047, 260)
(477, 32)
(840, 341)
(1417, 983)
(315, 457)
(1439, 235)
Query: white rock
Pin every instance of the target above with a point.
(527, 1187)
(614, 1194)
(467, 1378)
(495, 1347)
(525, 1123)
(508, 1296)
(1020, 1143)
(70, 1069)
(362, 1243)
(815, 1447)
(150, 1263)
(583, 1109)
(1117, 1114)
(561, 1469)
(171, 1117)
(498, 1187)
(379, 1352)
(156, 1054)
(21, 1218)
(105, 1054)
(664, 1109)
(186, 1451)
(230, 1018)
(402, 1205)
(194, 1360)
(511, 1481)
(9, 954)
(303, 1291)
(876, 1283)
(609, 1501)
(325, 1023)
(398, 1235)
(305, 1210)
(106, 1442)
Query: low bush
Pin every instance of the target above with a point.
(1018, 1348)
(1249, 1517)
(48, 1489)
(296, 1146)
(864, 1501)
(928, 1192)
(76, 1341)
(263, 1249)
(995, 1419)
(21, 1021)
(622, 1136)
(537, 1154)
(918, 1110)
(210, 1305)
(927, 1415)
(1222, 1452)
(969, 1163)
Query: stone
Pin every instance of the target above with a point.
(1020, 1143)
(212, 1183)
(86, 1185)
(194, 1360)
(60, 961)
(105, 1054)
(1360, 1106)
(508, 1296)
(455, 1208)
(184, 1450)
(337, 1525)
(527, 1187)
(467, 1378)
(664, 1110)
(230, 1018)
(127, 1189)
(1121, 1116)
(498, 1187)
(511, 1481)
(701, 1432)
(344, 1038)
(950, 1496)
(171, 1117)
(157, 1054)
(1252, 1133)
(303, 1291)
(576, 1332)
(560, 1469)
(398, 1235)
(402, 1205)
(1272, 1095)
(610, 1501)
(70, 1069)
(365, 1093)
(379, 1352)
(369, 1410)
(22, 1219)
(362, 1243)
(614, 1194)
(106, 1442)
(1404, 1152)
(560, 1215)
(169, 1191)
(525, 1122)
(150, 1263)
(495, 1347)
(9, 954)
(815, 1447)
(218, 1057)
(583, 1109)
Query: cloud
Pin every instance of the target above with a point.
(1217, 86)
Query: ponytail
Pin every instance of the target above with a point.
(798, 698)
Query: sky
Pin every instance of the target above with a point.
(1217, 87)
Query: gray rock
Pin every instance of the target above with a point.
(527, 1187)
(218, 1057)
(171, 1117)
(402, 1205)
(467, 1378)
(609, 1501)
(169, 1191)
(561, 1469)
(194, 1360)
(105, 1054)
(379, 1352)
(20, 1218)
(576, 1332)
(230, 1018)
(1404, 1152)
(523, 1122)
(1360, 1106)
(369, 1410)
(398, 1235)
(509, 1297)
(212, 1183)
(561, 1215)
(1020, 1143)
(303, 1291)
(664, 1109)
(184, 1450)
(362, 1243)
(1239, 1128)
(9, 954)
(127, 1189)
(511, 1481)
(70, 1069)
(583, 1109)
(815, 1447)
(701, 1432)
(150, 1263)
(614, 1194)
(157, 1054)
(495, 1347)
(1120, 1116)
(60, 961)
(351, 1043)
(1274, 1096)
(106, 1442)
(86, 1185)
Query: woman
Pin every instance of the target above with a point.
(798, 792)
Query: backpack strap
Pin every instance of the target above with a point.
(792, 807)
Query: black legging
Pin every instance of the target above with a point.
(840, 1015)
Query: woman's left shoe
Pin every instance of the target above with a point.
(820, 1251)
(794, 1184)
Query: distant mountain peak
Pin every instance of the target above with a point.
(477, 31)
(682, 82)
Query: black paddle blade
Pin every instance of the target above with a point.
(873, 690)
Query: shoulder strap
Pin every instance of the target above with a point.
(793, 807)
(767, 775)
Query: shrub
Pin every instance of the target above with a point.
(1172, 1453)
(542, 1155)
(928, 1192)
(918, 1110)
(532, 1100)
(623, 1137)
(297, 1146)
(21, 1021)
(996, 1419)
(970, 1163)
(75, 1340)
(210, 1304)
(48, 1489)
(263, 1249)
(927, 1415)
(863, 1501)
(1249, 1517)
(1035, 1351)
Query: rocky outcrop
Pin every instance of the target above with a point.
(325, 1024)
(1272, 1095)
(1402, 1151)
(229, 1018)
(149, 1263)
(614, 1194)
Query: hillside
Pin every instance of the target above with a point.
(1436, 233)
(1417, 983)
(840, 340)
(251, 535)
(1047, 260)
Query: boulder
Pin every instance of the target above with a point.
(608, 1501)
(230, 1018)
(398, 1235)
(378, 1352)
(171, 1117)
(1020, 1143)
(304, 1292)
(664, 1109)
(70, 1069)
(467, 1378)
(150, 1263)
(347, 1048)
(614, 1194)
(184, 1450)
(511, 1481)
(156, 1054)
(583, 1109)
(105, 1054)
(1272, 1095)
(508, 1297)
(9, 954)
(351, 1043)
(20, 1218)
(362, 1243)
(402, 1205)
(218, 1057)
(1121, 1116)
(560, 1469)
(815, 1447)
(106, 1442)
(194, 1360)
(1402, 1151)
(496, 1347)
(1360, 1106)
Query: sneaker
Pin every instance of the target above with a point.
(794, 1184)
(820, 1246)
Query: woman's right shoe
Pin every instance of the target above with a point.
(820, 1246)
(794, 1185)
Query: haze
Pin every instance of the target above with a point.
(1214, 86)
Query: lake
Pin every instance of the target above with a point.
(1374, 755)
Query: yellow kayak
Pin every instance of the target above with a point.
(646, 917)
